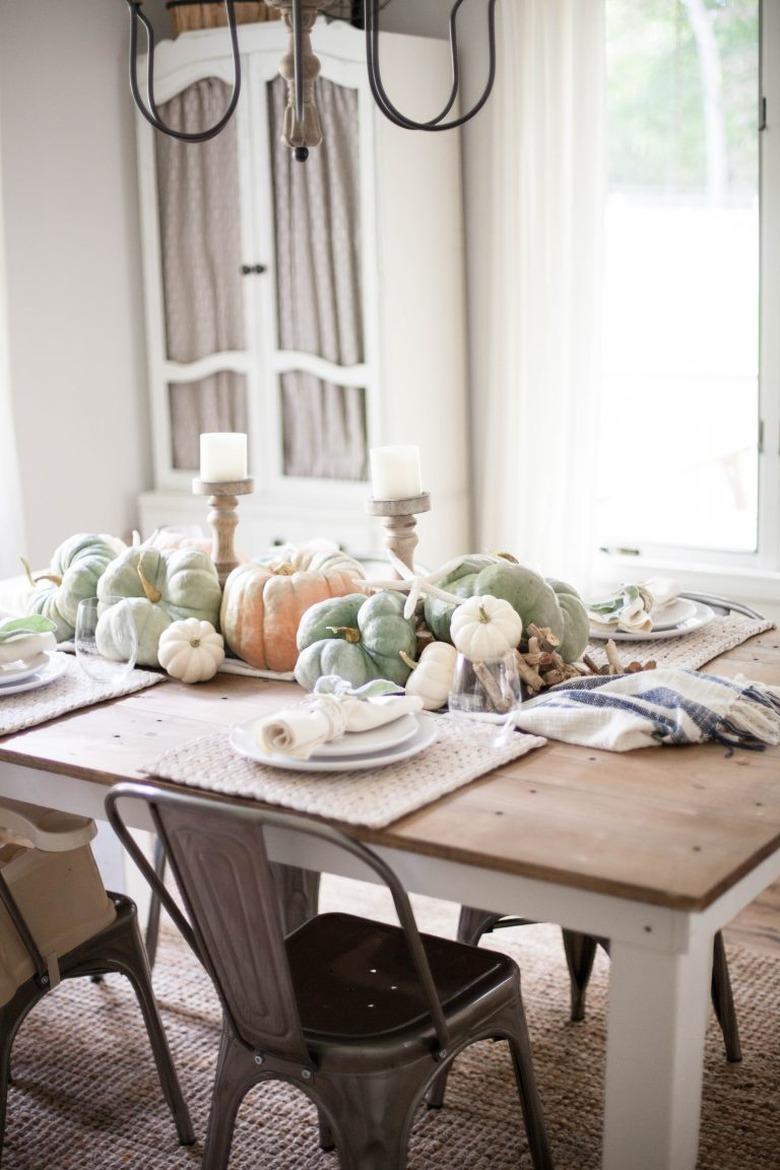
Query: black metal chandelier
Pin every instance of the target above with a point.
(300, 68)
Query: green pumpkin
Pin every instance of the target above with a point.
(75, 569)
(113, 633)
(356, 638)
(543, 602)
(177, 583)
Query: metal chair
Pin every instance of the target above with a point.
(360, 1016)
(58, 922)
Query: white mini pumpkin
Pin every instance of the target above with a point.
(431, 679)
(485, 629)
(191, 650)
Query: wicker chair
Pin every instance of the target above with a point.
(58, 922)
(359, 1016)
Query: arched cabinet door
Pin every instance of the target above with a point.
(199, 311)
(318, 333)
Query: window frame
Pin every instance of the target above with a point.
(750, 574)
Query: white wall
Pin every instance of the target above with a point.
(73, 273)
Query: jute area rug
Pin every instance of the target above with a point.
(85, 1094)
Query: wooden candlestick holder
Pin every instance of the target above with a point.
(223, 519)
(400, 523)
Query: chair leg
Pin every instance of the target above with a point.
(473, 923)
(233, 1080)
(155, 907)
(374, 1115)
(121, 949)
(298, 892)
(580, 952)
(533, 1116)
(723, 1001)
(6, 1040)
(327, 1140)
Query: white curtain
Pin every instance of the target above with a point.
(12, 539)
(536, 290)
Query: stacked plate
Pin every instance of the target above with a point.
(674, 620)
(30, 674)
(355, 751)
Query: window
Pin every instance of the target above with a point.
(684, 386)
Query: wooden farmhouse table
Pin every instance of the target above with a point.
(654, 849)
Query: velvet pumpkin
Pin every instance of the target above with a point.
(74, 571)
(548, 603)
(358, 638)
(175, 583)
(263, 602)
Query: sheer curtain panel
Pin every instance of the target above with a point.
(537, 211)
(200, 237)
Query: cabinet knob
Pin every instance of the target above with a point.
(253, 269)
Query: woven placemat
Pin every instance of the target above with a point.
(694, 650)
(72, 690)
(373, 798)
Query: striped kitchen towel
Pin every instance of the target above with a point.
(665, 706)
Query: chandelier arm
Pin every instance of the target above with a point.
(151, 112)
(381, 96)
(297, 31)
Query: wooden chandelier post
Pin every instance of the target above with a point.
(223, 520)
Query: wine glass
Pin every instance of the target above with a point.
(105, 651)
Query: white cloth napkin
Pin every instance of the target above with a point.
(632, 608)
(299, 731)
(666, 706)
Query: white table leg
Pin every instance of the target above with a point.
(658, 1003)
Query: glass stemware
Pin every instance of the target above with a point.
(102, 656)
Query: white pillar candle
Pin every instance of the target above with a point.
(395, 473)
(222, 458)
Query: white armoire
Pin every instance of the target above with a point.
(318, 306)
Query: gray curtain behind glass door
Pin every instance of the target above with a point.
(200, 233)
(319, 294)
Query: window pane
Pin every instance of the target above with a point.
(680, 389)
(324, 428)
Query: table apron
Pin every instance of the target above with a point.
(641, 924)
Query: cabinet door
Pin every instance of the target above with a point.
(321, 388)
(202, 373)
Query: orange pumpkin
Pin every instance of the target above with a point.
(263, 603)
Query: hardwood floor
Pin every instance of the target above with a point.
(759, 924)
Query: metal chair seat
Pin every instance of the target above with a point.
(354, 979)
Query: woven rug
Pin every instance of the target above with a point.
(72, 690)
(694, 650)
(374, 797)
(85, 1096)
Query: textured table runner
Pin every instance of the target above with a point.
(72, 690)
(694, 650)
(374, 798)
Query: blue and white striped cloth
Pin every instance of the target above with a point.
(665, 706)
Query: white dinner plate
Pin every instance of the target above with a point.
(364, 743)
(243, 741)
(23, 670)
(666, 617)
(701, 616)
(54, 667)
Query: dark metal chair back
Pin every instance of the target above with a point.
(219, 857)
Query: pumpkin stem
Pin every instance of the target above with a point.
(506, 556)
(283, 569)
(42, 576)
(484, 616)
(348, 633)
(407, 661)
(152, 593)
